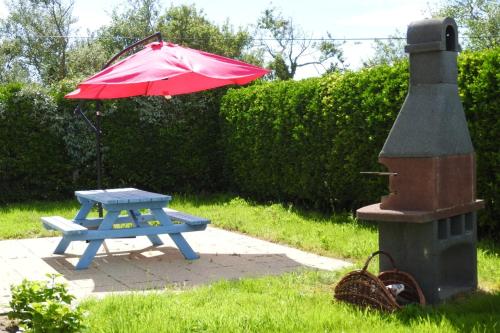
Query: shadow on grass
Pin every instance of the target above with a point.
(201, 200)
(205, 199)
(39, 206)
(476, 312)
(490, 248)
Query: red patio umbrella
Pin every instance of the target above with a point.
(160, 68)
(167, 69)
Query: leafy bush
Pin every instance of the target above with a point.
(307, 141)
(33, 159)
(275, 136)
(43, 306)
(163, 145)
(362, 107)
(46, 151)
(149, 142)
(479, 90)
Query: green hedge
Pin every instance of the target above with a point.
(164, 145)
(307, 141)
(33, 161)
(48, 152)
(480, 93)
(299, 141)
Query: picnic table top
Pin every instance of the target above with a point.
(122, 195)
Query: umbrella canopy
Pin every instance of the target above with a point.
(167, 69)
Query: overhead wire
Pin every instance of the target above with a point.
(253, 39)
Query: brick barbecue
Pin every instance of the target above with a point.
(428, 221)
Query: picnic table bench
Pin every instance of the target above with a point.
(131, 201)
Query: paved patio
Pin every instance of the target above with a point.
(132, 264)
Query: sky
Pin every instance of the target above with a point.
(341, 18)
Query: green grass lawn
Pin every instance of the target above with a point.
(299, 302)
(296, 302)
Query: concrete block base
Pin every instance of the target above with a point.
(440, 255)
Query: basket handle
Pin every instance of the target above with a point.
(365, 267)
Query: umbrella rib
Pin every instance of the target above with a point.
(100, 91)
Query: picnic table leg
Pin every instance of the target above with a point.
(94, 245)
(84, 210)
(184, 246)
(178, 239)
(62, 246)
(82, 214)
(89, 254)
(135, 215)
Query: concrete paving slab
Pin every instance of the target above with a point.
(132, 264)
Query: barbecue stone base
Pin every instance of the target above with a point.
(440, 254)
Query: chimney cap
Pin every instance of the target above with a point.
(430, 35)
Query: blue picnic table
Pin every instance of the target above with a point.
(131, 201)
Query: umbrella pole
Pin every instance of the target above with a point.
(97, 130)
(98, 153)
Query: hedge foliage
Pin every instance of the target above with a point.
(308, 141)
(164, 145)
(479, 88)
(33, 161)
(299, 141)
(48, 152)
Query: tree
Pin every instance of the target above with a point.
(129, 23)
(479, 19)
(291, 48)
(87, 56)
(37, 41)
(11, 69)
(185, 25)
(387, 51)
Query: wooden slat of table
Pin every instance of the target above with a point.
(122, 195)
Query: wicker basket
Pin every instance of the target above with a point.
(367, 290)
